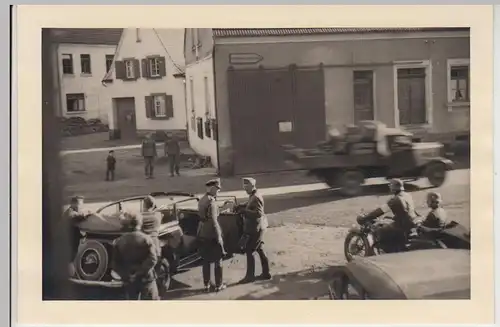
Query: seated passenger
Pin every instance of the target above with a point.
(436, 218)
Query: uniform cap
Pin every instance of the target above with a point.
(214, 182)
(75, 198)
(249, 180)
(149, 201)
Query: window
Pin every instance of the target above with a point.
(363, 95)
(458, 81)
(109, 62)
(85, 64)
(154, 67)
(75, 102)
(199, 127)
(129, 69)
(159, 106)
(207, 96)
(67, 63)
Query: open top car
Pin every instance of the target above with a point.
(424, 274)
(178, 231)
(369, 150)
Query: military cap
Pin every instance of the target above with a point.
(214, 182)
(75, 198)
(249, 180)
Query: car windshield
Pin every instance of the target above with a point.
(183, 202)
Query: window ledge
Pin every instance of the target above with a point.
(68, 75)
(86, 75)
(458, 105)
(75, 113)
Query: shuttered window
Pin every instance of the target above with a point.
(159, 106)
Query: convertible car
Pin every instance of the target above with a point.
(180, 221)
(424, 274)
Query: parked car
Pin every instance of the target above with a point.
(178, 230)
(424, 274)
(381, 152)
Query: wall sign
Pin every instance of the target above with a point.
(244, 58)
(285, 126)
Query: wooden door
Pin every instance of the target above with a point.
(411, 96)
(125, 118)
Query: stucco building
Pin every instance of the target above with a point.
(80, 58)
(146, 83)
(268, 87)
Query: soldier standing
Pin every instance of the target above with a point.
(173, 151)
(210, 242)
(148, 152)
(134, 258)
(255, 225)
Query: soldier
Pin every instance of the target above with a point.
(148, 151)
(134, 259)
(210, 242)
(255, 225)
(74, 215)
(405, 215)
(436, 218)
(151, 221)
(173, 150)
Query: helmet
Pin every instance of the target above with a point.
(434, 199)
(396, 185)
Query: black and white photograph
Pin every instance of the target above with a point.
(301, 161)
(264, 164)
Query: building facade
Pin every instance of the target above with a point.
(146, 84)
(80, 58)
(290, 86)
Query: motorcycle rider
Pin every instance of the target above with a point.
(436, 218)
(402, 207)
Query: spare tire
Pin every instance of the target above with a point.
(92, 260)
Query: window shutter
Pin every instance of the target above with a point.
(169, 106)
(163, 66)
(137, 69)
(120, 70)
(145, 68)
(149, 107)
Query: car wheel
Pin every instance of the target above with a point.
(356, 244)
(436, 174)
(92, 260)
(351, 183)
(164, 278)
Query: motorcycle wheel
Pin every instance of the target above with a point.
(365, 245)
(164, 278)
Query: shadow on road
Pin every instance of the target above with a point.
(302, 285)
(278, 203)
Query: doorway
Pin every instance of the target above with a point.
(125, 118)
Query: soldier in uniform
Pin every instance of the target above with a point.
(148, 151)
(255, 225)
(436, 218)
(210, 242)
(151, 221)
(74, 215)
(134, 258)
(402, 207)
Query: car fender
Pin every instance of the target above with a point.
(447, 162)
(354, 229)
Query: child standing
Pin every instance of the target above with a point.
(111, 164)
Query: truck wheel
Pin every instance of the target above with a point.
(351, 182)
(436, 173)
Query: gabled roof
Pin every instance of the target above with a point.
(105, 36)
(246, 32)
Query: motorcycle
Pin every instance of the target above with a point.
(364, 240)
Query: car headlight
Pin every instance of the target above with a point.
(115, 275)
